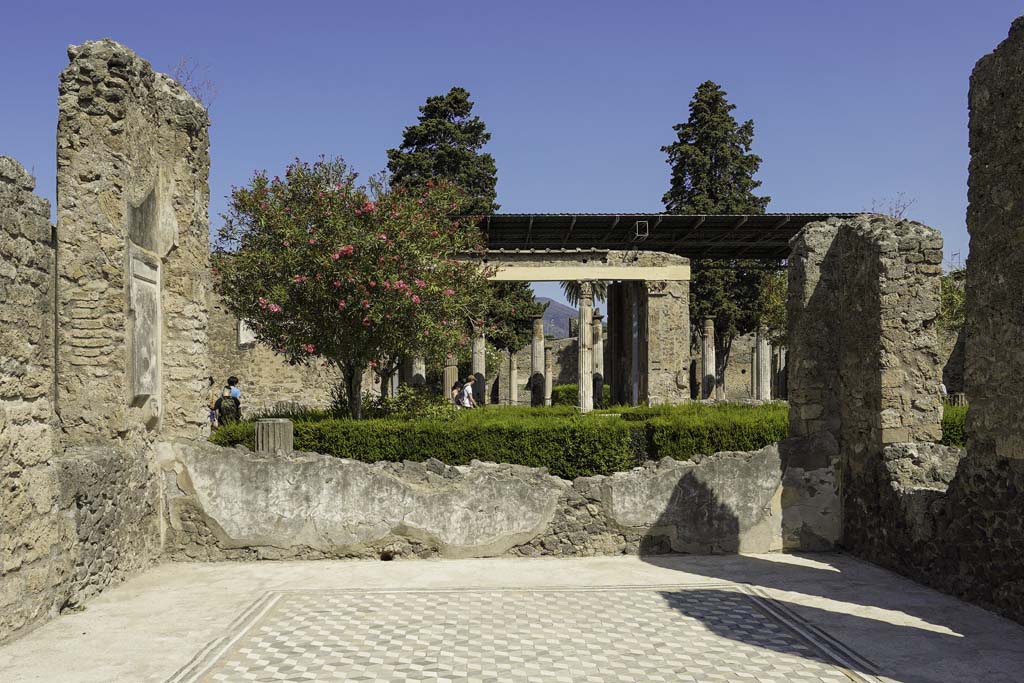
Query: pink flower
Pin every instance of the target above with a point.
(387, 284)
(300, 278)
(341, 303)
(308, 348)
(373, 283)
(366, 303)
(274, 308)
(420, 283)
(382, 237)
(344, 251)
(337, 283)
(263, 302)
(369, 207)
(449, 291)
(312, 241)
(373, 363)
(366, 322)
(415, 299)
(286, 243)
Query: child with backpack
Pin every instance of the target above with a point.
(229, 406)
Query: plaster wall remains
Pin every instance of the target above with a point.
(229, 503)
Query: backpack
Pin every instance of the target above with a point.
(229, 409)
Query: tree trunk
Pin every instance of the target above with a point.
(354, 391)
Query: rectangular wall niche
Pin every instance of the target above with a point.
(145, 325)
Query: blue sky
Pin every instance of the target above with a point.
(853, 103)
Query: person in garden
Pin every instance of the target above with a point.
(454, 393)
(212, 394)
(229, 406)
(466, 398)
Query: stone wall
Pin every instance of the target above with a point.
(34, 542)
(133, 249)
(229, 503)
(266, 379)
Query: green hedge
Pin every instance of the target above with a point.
(953, 418)
(568, 444)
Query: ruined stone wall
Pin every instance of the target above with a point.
(133, 249)
(266, 379)
(34, 541)
(316, 506)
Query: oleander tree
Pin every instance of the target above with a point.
(353, 276)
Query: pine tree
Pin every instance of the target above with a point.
(713, 173)
(446, 144)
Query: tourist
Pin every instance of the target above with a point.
(212, 394)
(229, 405)
(466, 398)
(453, 394)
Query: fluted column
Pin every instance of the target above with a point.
(707, 360)
(598, 344)
(451, 374)
(549, 368)
(274, 435)
(537, 362)
(479, 366)
(585, 347)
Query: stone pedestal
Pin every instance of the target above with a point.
(707, 360)
(598, 342)
(479, 366)
(665, 352)
(274, 435)
(585, 348)
(549, 369)
(537, 362)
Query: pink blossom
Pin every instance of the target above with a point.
(337, 283)
(366, 303)
(308, 348)
(274, 308)
(300, 278)
(387, 284)
(286, 243)
(312, 241)
(344, 251)
(373, 283)
(369, 207)
(373, 363)
(263, 302)
(415, 299)
(382, 237)
(341, 303)
(366, 322)
(420, 283)
(449, 291)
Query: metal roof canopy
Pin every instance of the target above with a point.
(764, 236)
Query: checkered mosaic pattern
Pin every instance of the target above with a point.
(637, 635)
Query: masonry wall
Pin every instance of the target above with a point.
(34, 541)
(133, 249)
(266, 379)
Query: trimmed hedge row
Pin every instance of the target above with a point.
(568, 445)
(568, 395)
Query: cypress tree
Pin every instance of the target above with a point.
(713, 173)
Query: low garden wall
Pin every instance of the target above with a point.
(231, 503)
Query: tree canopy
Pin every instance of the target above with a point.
(713, 173)
(355, 276)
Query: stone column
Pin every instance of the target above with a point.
(598, 343)
(418, 376)
(549, 370)
(479, 366)
(274, 435)
(707, 360)
(451, 375)
(537, 362)
(513, 379)
(762, 365)
(585, 348)
(633, 335)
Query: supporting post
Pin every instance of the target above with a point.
(537, 362)
(707, 360)
(419, 372)
(451, 374)
(598, 343)
(585, 348)
(763, 365)
(513, 379)
(549, 367)
(479, 366)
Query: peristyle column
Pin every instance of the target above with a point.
(549, 368)
(598, 339)
(537, 362)
(585, 347)
(479, 365)
(451, 374)
(762, 365)
(513, 379)
(707, 360)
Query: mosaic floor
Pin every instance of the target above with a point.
(720, 634)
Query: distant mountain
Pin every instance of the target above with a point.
(556, 317)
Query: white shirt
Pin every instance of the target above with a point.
(465, 396)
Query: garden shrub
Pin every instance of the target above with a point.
(953, 419)
(568, 395)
